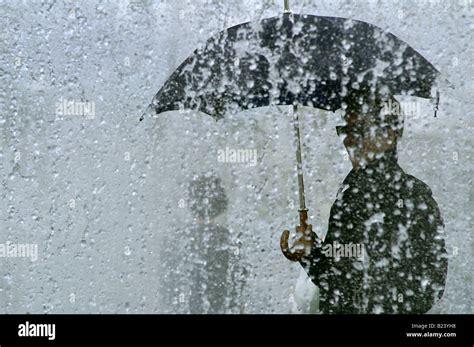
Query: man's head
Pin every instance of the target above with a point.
(207, 196)
(373, 125)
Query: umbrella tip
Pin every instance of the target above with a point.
(148, 112)
(436, 107)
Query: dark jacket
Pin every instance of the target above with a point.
(395, 219)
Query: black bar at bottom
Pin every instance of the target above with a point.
(262, 329)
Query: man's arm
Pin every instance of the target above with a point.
(428, 241)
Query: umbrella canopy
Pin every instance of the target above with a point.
(293, 59)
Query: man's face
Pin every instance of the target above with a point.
(363, 139)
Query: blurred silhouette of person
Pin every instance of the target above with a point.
(208, 275)
(390, 215)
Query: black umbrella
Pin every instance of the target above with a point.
(293, 59)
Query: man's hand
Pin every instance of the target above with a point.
(303, 244)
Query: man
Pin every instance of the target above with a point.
(207, 275)
(387, 213)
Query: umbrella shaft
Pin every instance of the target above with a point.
(299, 161)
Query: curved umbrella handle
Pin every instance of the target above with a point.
(286, 249)
(306, 239)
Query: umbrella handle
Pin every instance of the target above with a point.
(303, 218)
(307, 238)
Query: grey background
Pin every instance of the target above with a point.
(100, 196)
